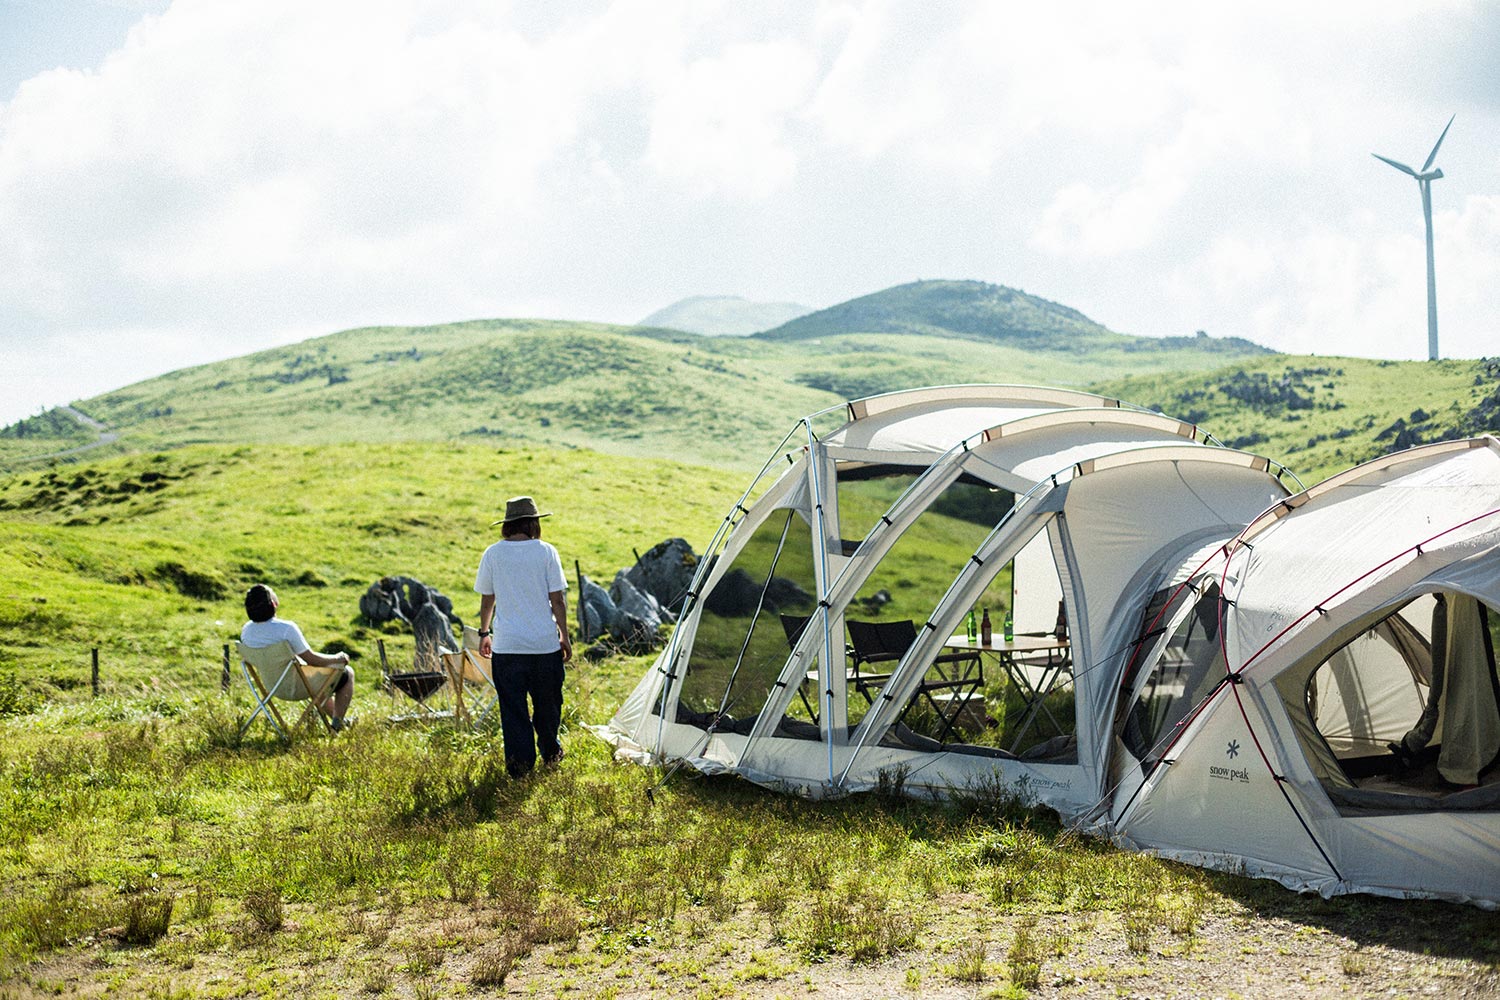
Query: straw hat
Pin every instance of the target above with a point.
(520, 508)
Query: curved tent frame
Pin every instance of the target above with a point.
(1034, 449)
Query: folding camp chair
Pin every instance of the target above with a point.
(469, 671)
(417, 686)
(958, 675)
(291, 680)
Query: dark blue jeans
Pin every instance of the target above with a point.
(539, 676)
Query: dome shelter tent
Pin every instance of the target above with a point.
(1347, 697)
(1172, 725)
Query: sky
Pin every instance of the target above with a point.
(183, 181)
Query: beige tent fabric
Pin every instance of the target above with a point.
(1300, 700)
(1471, 720)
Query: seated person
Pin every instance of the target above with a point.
(265, 629)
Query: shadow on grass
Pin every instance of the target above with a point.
(1418, 926)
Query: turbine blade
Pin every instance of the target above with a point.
(1433, 155)
(1399, 166)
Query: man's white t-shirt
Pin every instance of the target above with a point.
(521, 575)
(259, 635)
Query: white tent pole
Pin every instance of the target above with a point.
(815, 469)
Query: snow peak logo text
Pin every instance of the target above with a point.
(1242, 775)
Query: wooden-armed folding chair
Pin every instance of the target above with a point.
(290, 680)
(470, 671)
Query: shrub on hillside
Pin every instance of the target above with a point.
(203, 585)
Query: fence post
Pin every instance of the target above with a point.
(95, 678)
(224, 677)
(583, 610)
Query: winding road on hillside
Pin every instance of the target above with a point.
(106, 436)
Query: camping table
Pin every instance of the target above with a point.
(1018, 657)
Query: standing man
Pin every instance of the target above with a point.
(527, 639)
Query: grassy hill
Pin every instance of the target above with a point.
(622, 390)
(980, 311)
(726, 401)
(1322, 415)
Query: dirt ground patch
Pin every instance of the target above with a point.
(1293, 948)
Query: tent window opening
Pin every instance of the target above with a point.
(909, 581)
(882, 621)
(742, 640)
(1406, 714)
(1185, 671)
(1012, 698)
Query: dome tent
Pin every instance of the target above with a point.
(948, 499)
(1346, 727)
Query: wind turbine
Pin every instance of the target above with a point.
(1424, 178)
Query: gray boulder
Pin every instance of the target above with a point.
(401, 598)
(598, 614)
(383, 602)
(665, 572)
(434, 632)
(644, 611)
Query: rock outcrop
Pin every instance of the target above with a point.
(425, 609)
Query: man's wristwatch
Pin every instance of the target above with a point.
(484, 632)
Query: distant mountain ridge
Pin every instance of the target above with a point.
(982, 311)
(724, 315)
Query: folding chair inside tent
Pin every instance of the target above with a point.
(959, 675)
(469, 671)
(290, 680)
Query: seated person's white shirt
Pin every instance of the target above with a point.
(259, 635)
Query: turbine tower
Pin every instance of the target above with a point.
(1424, 178)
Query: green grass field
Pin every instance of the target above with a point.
(146, 557)
(148, 850)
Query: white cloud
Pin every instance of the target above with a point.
(1357, 292)
(726, 121)
(237, 175)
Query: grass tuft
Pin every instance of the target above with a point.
(493, 964)
(148, 915)
(968, 964)
(265, 907)
(1024, 959)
